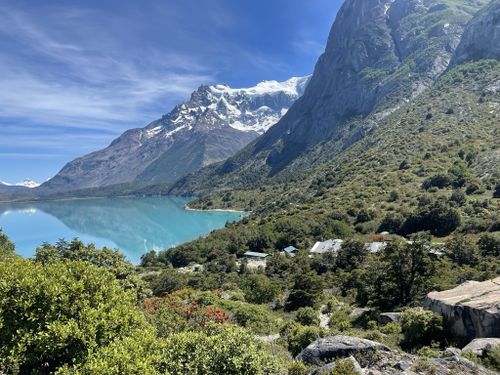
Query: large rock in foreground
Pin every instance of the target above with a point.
(373, 358)
(327, 349)
(471, 310)
(482, 346)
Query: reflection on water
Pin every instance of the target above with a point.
(133, 225)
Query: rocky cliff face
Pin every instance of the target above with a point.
(481, 40)
(471, 310)
(379, 55)
(214, 124)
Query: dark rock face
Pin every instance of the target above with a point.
(214, 124)
(327, 349)
(379, 53)
(471, 310)
(481, 40)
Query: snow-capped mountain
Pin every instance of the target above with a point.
(215, 123)
(27, 183)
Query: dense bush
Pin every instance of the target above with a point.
(435, 216)
(7, 248)
(421, 327)
(259, 289)
(298, 337)
(307, 316)
(223, 350)
(58, 314)
(489, 245)
(306, 291)
(107, 259)
(462, 251)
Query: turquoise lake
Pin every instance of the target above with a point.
(132, 225)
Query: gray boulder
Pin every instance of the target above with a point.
(471, 310)
(331, 366)
(327, 349)
(389, 317)
(481, 346)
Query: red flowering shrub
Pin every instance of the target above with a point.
(180, 311)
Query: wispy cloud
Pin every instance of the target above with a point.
(88, 88)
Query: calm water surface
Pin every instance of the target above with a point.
(132, 225)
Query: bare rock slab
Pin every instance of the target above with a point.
(471, 310)
(482, 346)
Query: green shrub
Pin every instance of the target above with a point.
(489, 245)
(421, 327)
(138, 354)
(59, 314)
(259, 289)
(297, 368)
(339, 318)
(225, 350)
(343, 367)
(256, 318)
(306, 291)
(307, 316)
(299, 337)
(7, 248)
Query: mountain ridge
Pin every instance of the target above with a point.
(400, 48)
(212, 125)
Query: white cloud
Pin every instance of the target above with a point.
(86, 88)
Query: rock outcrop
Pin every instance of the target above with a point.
(327, 349)
(481, 346)
(471, 310)
(373, 358)
(389, 317)
(481, 39)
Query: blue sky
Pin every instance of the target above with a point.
(76, 74)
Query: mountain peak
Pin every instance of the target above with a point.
(215, 123)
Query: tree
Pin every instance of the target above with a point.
(306, 291)
(489, 245)
(7, 248)
(168, 281)
(351, 255)
(259, 289)
(60, 313)
(400, 274)
(432, 215)
(462, 251)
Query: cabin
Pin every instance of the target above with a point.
(326, 246)
(255, 261)
(375, 247)
(255, 256)
(290, 250)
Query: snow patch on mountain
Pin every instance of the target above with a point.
(253, 109)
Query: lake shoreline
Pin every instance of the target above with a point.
(187, 208)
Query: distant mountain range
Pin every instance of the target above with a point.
(213, 125)
(27, 183)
